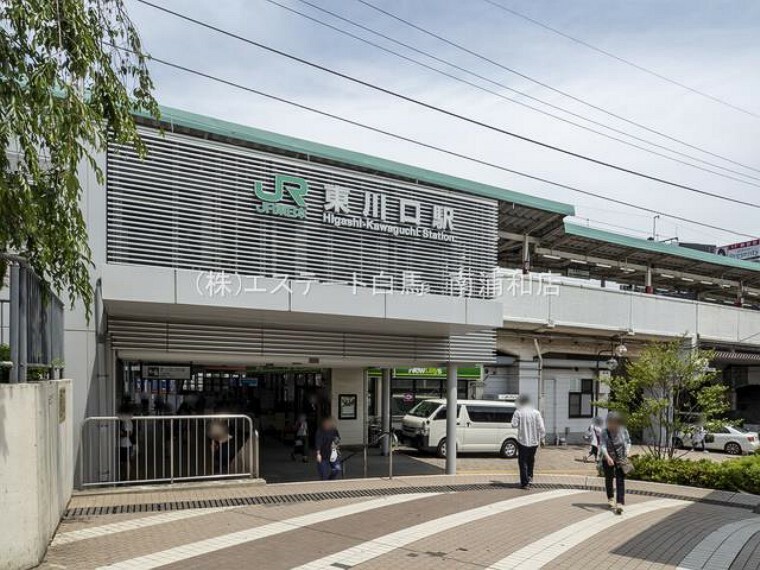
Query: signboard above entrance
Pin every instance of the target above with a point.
(375, 211)
(212, 206)
(165, 372)
(472, 372)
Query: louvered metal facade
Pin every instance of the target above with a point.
(191, 204)
(181, 339)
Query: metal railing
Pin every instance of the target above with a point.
(164, 449)
(35, 323)
(375, 437)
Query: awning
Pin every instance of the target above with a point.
(737, 357)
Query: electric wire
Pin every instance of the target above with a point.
(434, 147)
(510, 89)
(622, 60)
(450, 113)
(547, 86)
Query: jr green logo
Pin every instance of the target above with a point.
(271, 200)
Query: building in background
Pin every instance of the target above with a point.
(241, 270)
(746, 250)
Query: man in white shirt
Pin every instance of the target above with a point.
(530, 434)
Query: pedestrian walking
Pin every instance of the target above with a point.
(615, 449)
(530, 434)
(592, 436)
(699, 438)
(301, 441)
(326, 441)
(127, 441)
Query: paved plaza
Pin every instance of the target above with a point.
(277, 466)
(466, 521)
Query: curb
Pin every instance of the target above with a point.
(416, 484)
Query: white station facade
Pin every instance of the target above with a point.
(240, 265)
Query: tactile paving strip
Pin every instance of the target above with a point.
(352, 494)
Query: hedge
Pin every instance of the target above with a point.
(731, 475)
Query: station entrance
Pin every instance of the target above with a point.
(171, 414)
(273, 397)
(179, 421)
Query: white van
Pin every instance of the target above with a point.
(482, 426)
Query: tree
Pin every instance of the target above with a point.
(71, 74)
(665, 392)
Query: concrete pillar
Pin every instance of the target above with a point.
(648, 287)
(386, 410)
(365, 419)
(451, 419)
(526, 255)
(739, 302)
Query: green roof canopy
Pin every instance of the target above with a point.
(175, 118)
(658, 247)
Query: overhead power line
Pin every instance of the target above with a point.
(623, 60)
(547, 86)
(434, 147)
(450, 113)
(506, 98)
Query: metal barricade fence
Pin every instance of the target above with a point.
(158, 449)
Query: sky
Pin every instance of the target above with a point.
(710, 45)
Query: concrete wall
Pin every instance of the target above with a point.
(348, 381)
(558, 385)
(90, 392)
(36, 467)
(559, 381)
(581, 307)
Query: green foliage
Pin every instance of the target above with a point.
(665, 391)
(731, 475)
(65, 91)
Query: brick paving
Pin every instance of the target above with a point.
(95, 552)
(749, 557)
(550, 460)
(482, 543)
(658, 539)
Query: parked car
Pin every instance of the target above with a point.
(729, 439)
(482, 426)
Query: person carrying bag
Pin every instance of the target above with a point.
(616, 465)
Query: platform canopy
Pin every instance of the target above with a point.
(579, 251)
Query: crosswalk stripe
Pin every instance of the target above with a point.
(209, 545)
(721, 547)
(543, 551)
(377, 547)
(132, 524)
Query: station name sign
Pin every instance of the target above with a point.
(340, 208)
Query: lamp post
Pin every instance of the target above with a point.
(616, 354)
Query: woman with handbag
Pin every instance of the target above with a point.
(615, 448)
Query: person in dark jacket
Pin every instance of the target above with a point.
(222, 446)
(326, 443)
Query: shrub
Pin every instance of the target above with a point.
(731, 475)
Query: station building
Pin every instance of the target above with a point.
(234, 265)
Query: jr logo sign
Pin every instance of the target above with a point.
(273, 201)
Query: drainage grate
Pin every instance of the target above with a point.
(354, 494)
